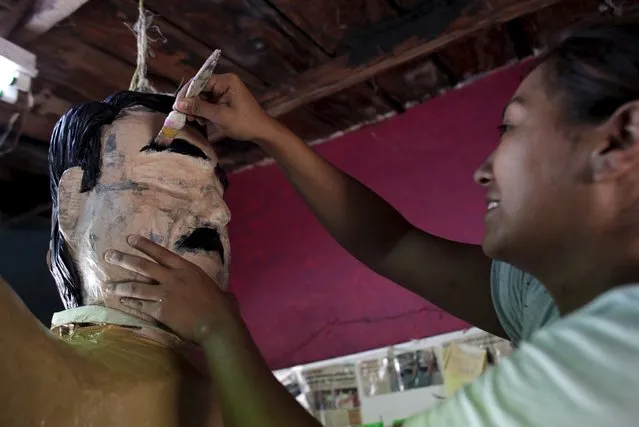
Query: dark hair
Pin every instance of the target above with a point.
(595, 68)
(77, 141)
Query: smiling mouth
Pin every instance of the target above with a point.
(492, 205)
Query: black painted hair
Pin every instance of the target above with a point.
(594, 67)
(76, 141)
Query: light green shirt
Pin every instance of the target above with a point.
(581, 371)
(522, 303)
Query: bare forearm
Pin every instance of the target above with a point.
(361, 221)
(249, 393)
(378, 235)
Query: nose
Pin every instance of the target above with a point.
(484, 175)
(214, 210)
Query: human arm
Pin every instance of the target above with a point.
(452, 275)
(582, 370)
(30, 377)
(191, 304)
(249, 393)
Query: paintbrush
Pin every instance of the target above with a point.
(176, 120)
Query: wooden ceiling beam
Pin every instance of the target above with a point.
(517, 34)
(11, 13)
(424, 30)
(36, 126)
(44, 15)
(29, 158)
(176, 55)
(251, 34)
(371, 57)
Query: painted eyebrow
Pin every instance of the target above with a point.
(181, 146)
(177, 146)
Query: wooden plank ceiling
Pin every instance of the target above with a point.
(320, 66)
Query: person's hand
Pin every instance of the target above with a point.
(228, 103)
(185, 299)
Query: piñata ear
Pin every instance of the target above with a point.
(71, 202)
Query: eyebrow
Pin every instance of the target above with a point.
(177, 146)
(515, 100)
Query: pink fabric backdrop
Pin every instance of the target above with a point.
(303, 297)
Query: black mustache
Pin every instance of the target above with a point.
(202, 239)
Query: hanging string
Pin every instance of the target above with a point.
(141, 29)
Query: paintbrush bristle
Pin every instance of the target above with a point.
(166, 135)
(172, 126)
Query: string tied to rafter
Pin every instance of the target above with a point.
(142, 29)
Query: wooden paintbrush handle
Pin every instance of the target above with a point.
(202, 77)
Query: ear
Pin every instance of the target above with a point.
(619, 151)
(70, 202)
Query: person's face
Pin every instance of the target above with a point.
(172, 197)
(537, 193)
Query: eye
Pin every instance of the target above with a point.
(503, 128)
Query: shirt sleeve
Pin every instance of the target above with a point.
(506, 283)
(581, 371)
